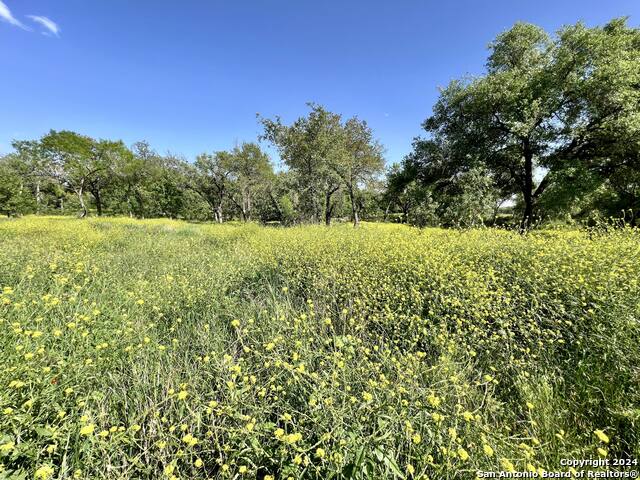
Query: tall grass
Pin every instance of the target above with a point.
(160, 349)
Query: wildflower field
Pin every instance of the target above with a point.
(162, 349)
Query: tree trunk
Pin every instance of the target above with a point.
(219, 213)
(328, 212)
(98, 198)
(527, 190)
(38, 197)
(140, 200)
(354, 208)
(276, 206)
(245, 204)
(405, 213)
(82, 205)
(328, 206)
(316, 209)
(220, 199)
(386, 212)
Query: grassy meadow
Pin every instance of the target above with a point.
(162, 349)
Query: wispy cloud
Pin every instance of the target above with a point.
(50, 25)
(5, 14)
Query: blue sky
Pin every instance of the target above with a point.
(190, 76)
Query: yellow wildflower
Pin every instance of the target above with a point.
(44, 472)
(87, 429)
(603, 437)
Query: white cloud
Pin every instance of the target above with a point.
(47, 23)
(5, 14)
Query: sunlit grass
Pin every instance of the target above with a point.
(160, 349)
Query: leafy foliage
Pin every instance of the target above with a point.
(547, 107)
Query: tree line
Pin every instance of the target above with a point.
(550, 131)
(332, 169)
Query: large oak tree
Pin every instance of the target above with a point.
(543, 105)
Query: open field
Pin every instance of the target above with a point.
(161, 349)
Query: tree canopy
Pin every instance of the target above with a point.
(550, 130)
(547, 109)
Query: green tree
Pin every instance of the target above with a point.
(211, 179)
(283, 198)
(543, 104)
(15, 199)
(359, 161)
(77, 162)
(430, 191)
(309, 147)
(327, 155)
(250, 171)
(106, 156)
(69, 162)
(135, 174)
(30, 163)
(166, 188)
